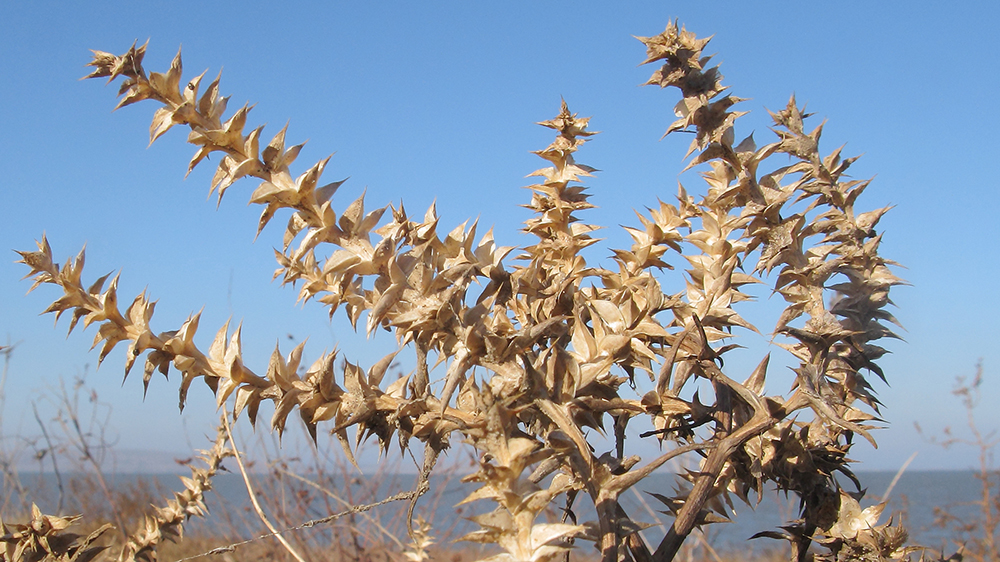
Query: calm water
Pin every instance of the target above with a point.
(915, 495)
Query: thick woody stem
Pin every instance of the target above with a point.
(702, 491)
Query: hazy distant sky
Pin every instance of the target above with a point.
(437, 101)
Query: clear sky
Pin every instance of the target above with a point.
(437, 101)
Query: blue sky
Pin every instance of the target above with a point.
(437, 101)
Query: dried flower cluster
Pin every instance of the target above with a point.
(44, 537)
(539, 350)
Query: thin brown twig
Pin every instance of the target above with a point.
(327, 492)
(80, 439)
(899, 474)
(52, 455)
(402, 496)
(8, 465)
(253, 497)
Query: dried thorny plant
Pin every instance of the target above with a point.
(78, 436)
(167, 522)
(540, 350)
(45, 537)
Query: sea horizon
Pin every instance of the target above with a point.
(914, 498)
